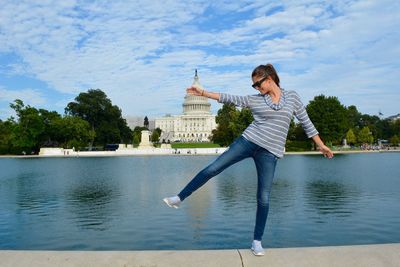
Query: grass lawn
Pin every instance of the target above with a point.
(194, 145)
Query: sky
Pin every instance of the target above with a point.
(143, 54)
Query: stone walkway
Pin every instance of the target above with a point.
(385, 255)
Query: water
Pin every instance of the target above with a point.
(115, 203)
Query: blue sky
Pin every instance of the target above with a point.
(143, 54)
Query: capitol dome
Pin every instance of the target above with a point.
(194, 125)
(196, 104)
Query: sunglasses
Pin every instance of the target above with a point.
(258, 83)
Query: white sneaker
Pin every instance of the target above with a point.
(257, 248)
(173, 202)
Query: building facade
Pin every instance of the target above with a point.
(194, 125)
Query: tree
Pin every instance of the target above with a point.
(297, 139)
(329, 117)
(155, 136)
(48, 138)
(104, 118)
(135, 139)
(395, 140)
(353, 117)
(384, 129)
(351, 137)
(244, 119)
(29, 128)
(6, 136)
(74, 132)
(394, 128)
(137, 134)
(37, 128)
(224, 134)
(365, 136)
(231, 123)
(372, 123)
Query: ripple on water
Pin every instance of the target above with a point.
(116, 203)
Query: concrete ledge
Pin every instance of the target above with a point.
(385, 255)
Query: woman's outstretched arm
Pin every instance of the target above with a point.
(201, 92)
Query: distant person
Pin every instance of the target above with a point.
(263, 140)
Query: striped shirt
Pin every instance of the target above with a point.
(271, 122)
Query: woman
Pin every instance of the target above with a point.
(263, 140)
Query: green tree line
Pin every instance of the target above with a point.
(93, 121)
(89, 121)
(333, 120)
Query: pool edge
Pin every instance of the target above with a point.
(359, 255)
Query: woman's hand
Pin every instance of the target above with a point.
(322, 147)
(193, 90)
(326, 151)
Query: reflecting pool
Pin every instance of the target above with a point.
(115, 203)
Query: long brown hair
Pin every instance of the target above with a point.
(265, 71)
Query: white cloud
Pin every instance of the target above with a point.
(29, 96)
(143, 54)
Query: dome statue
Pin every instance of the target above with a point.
(196, 104)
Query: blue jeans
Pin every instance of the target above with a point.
(265, 163)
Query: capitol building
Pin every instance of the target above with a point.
(194, 125)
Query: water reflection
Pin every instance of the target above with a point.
(198, 210)
(229, 190)
(91, 204)
(329, 197)
(115, 203)
(237, 185)
(31, 197)
(283, 195)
